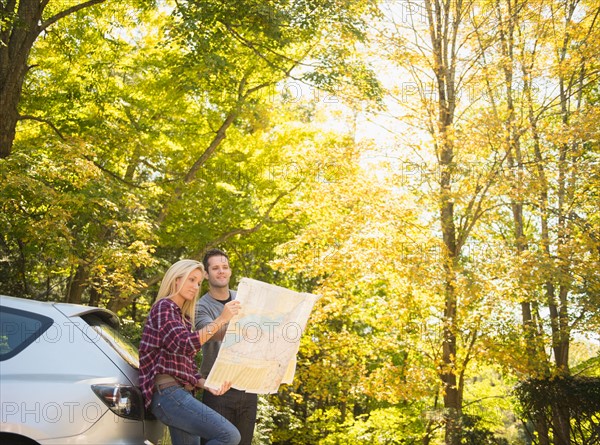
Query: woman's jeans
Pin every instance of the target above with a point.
(189, 419)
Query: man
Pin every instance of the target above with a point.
(239, 407)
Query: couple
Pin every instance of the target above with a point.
(177, 327)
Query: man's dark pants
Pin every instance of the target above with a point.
(239, 407)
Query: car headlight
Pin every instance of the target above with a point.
(124, 401)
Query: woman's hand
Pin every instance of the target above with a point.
(222, 390)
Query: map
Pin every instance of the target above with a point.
(259, 350)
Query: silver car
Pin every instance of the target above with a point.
(68, 377)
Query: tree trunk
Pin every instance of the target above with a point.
(15, 46)
(8, 120)
(443, 23)
(452, 397)
(94, 297)
(78, 284)
(540, 424)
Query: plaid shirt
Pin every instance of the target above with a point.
(168, 346)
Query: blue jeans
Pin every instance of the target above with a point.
(189, 419)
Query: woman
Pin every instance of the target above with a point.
(168, 371)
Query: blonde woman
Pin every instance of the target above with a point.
(169, 375)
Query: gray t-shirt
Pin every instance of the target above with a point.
(207, 310)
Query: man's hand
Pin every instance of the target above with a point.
(230, 310)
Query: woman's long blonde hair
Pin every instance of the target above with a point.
(168, 286)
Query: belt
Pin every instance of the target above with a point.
(162, 386)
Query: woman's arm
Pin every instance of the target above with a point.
(175, 335)
(178, 338)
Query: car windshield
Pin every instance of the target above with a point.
(114, 338)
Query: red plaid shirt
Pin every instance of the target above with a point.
(168, 346)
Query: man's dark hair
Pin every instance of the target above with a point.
(211, 253)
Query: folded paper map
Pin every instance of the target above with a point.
(259, 350)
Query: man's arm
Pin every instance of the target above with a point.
(206, 315)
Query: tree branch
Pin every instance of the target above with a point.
(247, 43)
(23, 117)
(114, 175)
(67, 12)
(239, 231)
(255, 228)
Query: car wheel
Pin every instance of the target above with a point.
(10, 439)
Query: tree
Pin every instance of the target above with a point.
(22, 22)
(541, 175)
(215, 86)
(443, 67)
